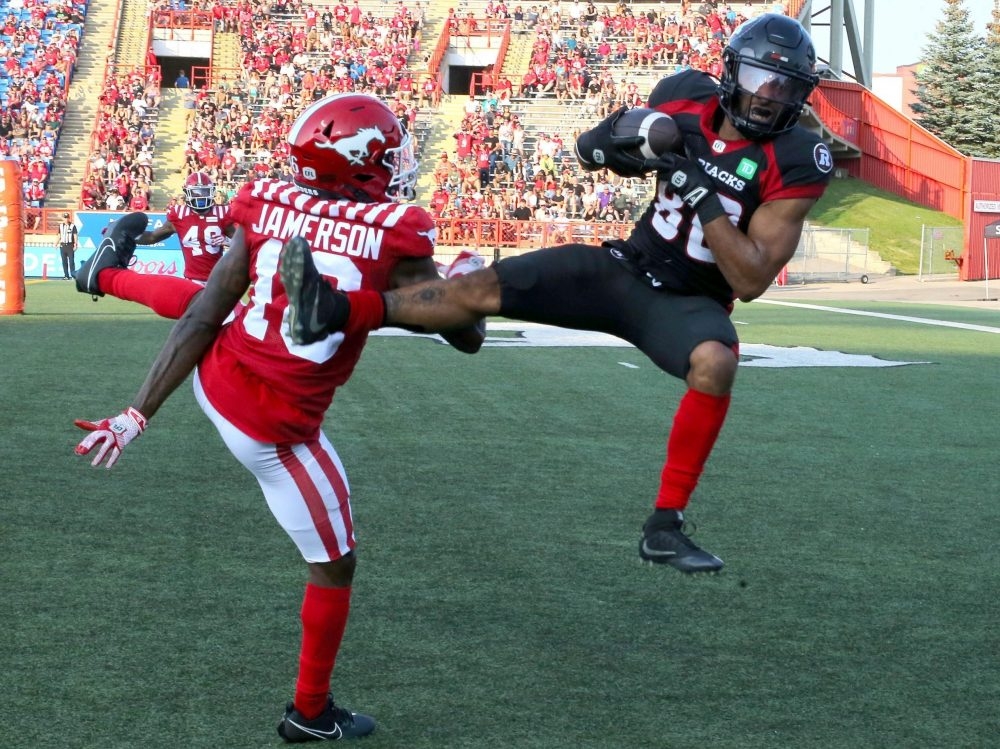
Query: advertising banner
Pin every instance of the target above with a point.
(163, 258)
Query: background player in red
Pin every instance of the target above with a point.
(723, 221)
(203, 227)
(266, 394)
(201, 224)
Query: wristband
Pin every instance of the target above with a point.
(709, 209)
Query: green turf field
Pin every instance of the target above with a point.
(499, 600)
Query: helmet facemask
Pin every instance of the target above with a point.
(199, 198)
(199, 192)
(764, 101)
(402, 165)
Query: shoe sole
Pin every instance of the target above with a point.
(291, 267)
(712, 572)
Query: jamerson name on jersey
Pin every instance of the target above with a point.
(278, 209)
(322, 233)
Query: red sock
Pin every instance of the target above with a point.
(367, 311)
(324, 616)
(696, 427)
(167, 296)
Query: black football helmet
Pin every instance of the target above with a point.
(768, 74)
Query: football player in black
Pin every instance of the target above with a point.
(725, 219)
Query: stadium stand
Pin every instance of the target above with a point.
(38, 45)
(507, 152)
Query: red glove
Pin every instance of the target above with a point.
(111, 435)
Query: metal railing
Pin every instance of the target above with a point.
(831, 255)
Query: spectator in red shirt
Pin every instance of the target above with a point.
(464, 140)
(440, 200)
(138, 202)
(35, 193)
(483, 163)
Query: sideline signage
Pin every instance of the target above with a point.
(163, 258)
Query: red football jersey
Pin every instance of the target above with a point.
(272, 389)
(200, 235)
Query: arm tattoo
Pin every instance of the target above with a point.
(401, 301)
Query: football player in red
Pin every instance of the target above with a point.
(724, 220)
(203, 226)
(266, 395)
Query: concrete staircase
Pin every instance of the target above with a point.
(133, 35)
(172, 129)
(518, 57)
(171, 139)
(69, 164)
(226, 50)
(438, 137)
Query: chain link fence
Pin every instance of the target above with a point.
(832, 255)
(939, 245)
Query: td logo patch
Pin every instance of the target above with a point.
(747, 169)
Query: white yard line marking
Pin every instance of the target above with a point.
(885, 316)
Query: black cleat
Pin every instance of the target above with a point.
(114, 251)
(315, 308)
(664, 542)
(333, 724)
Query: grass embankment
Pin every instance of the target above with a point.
(894, 223)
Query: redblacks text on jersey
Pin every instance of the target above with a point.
(273, 389)
(668, 238)
(201, 236)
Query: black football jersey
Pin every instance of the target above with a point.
(668, 241)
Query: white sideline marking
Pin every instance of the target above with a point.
(885, 316)
(534, 335)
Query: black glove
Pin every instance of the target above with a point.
(686, 179)
(599, 147)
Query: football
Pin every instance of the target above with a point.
(660, 131)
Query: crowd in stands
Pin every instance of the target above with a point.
(292, 55)
(120, 172)
(492, 174)
(38, 47)
(586, 57)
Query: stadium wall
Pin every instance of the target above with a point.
(901, 157)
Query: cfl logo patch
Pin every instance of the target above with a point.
(678, 180)
(598, 156)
